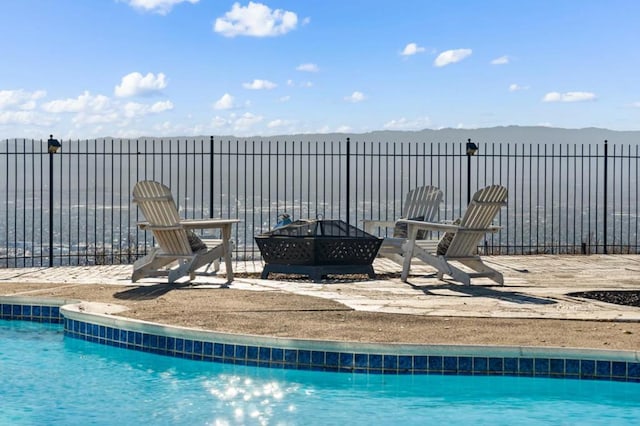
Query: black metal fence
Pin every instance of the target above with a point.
(74, 207)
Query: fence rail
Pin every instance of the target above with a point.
(74, 207)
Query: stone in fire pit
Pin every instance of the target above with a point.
(317, 248)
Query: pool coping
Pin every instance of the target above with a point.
(96, 322)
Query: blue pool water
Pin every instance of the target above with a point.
(46, 378)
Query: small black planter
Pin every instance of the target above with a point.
(317, 248)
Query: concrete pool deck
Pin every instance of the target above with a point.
(533, 308)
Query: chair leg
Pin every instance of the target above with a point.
(459, 275)
(184, 268)
(149, 265)
(216, 267)
(484, 270)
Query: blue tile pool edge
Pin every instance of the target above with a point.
(39, 309)
(354, 357)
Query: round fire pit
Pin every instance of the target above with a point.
(317, 248)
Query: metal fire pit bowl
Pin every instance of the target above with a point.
(317, 248)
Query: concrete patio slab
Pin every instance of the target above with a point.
(535, 287)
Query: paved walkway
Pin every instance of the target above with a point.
(535, 287)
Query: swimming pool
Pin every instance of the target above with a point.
(50, 379)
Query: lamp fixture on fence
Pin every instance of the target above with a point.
(53, 145)
(472, 148)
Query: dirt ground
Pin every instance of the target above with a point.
(288, 315)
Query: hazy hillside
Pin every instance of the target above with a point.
(510, 134)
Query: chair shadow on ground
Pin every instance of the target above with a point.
(153, 291)
(479, 290)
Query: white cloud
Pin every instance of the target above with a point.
(502, 60)
(219, 122)
(135, 84)
(83, 103)
(411, 49)
(132, 109)
(23, 117)
(569, 97)
(29, 105)
(274, 124)
(161, 106)
(451, 56)
(88, 109)
(292, 83)
(355, 97)
(284, 99)
(516, 87)
(238, 124)
(246, 121)
(20, 99)
(88, 117)
(161, 7)
(135, 109)
(323, 129)
(86, 113)
(405, 124)
(165, 126)
(260, 85)
(343, 129)
(636, 104)
(307, 67)
(225, 102)
(257, 20)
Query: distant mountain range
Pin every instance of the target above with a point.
(508, 134)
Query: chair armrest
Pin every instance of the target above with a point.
(147, 226)
(444, 227)
(207, 223)
(197, 223)
(430, 226)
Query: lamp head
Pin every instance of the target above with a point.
(53, 145)
(472, 148)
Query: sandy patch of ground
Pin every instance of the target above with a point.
(283, 314)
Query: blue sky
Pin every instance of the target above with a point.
(130, 68)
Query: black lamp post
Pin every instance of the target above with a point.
(53, 145)
(472, 148)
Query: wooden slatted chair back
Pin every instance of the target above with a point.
(422, 203)
(159, 209)
(481, 212)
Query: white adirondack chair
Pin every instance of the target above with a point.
(422, 203)
(179, 252)
(459, 260)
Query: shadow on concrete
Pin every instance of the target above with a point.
(154, 291)
(480, 290)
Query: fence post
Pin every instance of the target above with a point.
(472, 148)
(606, 175)
(52, 147)
(347, 186)
(50, 209)
(211, 177)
